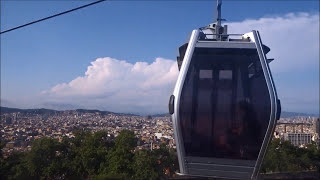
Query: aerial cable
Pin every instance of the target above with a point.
(49, 17)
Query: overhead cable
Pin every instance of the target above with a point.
(49, 17)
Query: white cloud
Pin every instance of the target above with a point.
(119, 86)
(294, 42)
(293, 39)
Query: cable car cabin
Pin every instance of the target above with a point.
(224, 106)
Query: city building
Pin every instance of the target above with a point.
(298, 139)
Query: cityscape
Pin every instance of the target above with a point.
(19, 128)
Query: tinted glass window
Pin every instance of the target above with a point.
(224, 105)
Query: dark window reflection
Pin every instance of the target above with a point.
(225, 104)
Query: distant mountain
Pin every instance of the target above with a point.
(38, 111)
(59, 106)
(285, 114)
(162, 115)
(50, 111)
(94, 111)
(9, 110)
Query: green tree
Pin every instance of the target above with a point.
(3, 164)
(144, 166)
(167, 160)
(88, 153)
(90, 156)
(45, 159)
(120, 157)
(313, 154)
(10, 166)
(20, 171)
(282, 156)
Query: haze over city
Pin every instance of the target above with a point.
(121, 56)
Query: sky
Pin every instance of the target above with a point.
(120, 55)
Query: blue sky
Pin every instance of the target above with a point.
(37, 58)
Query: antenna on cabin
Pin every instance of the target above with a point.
(218, 32)
(217, 14)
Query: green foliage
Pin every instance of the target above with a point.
(88, 151)
(89, 156)
(121, 156)
(167, 160)
(144, 166)
(14, 165)
(282, 156)
(126, 140)
(45, 157)
(313, 154)
(107, 177)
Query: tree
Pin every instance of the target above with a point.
(90, 156)
(167, 160)
(88, 153)
(45, 159)
(144, 166)
(313, 155)
(121, 156)
(3, 164)
(10, 166)
(282, 156)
